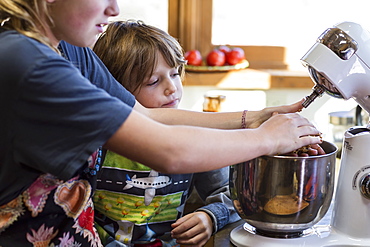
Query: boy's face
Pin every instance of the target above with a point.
(162, 89)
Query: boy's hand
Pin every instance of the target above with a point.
(193, 229)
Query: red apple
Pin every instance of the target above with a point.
(216, 58)
(193, 57)
(235, 56)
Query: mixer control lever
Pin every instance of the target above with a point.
(365, 186)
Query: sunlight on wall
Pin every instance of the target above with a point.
(152, 12)
(294, 24)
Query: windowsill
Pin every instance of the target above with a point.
(250, 79)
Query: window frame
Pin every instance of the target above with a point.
(190, 21)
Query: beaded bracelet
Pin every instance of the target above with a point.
(244, 125)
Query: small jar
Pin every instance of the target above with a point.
(212, 103)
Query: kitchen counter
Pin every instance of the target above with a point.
(222, 237)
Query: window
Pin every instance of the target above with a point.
(294, 24)
(152, 12)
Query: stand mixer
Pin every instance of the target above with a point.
(338, 63)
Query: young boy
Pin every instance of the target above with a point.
(135, 204)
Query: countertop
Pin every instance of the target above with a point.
(222, 237)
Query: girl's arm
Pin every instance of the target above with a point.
(186, 149)
(224, 120)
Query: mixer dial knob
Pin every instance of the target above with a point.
(365, 186)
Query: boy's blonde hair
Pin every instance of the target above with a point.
(129, 50)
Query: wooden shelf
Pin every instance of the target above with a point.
(250, 79)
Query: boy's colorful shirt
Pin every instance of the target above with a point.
(135, 203)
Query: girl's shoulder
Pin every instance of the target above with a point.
(16, 43)
(19, 53)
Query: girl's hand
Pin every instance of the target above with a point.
(284, 133)
(193, 229)
(310, 150)
(255, 119)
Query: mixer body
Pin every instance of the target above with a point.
(339, 63)
(351, 211)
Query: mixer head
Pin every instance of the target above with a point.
(338, 64)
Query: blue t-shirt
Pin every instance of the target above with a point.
(53, 117)
(94, 69)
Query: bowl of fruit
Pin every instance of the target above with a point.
(222, 58)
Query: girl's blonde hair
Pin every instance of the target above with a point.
(28, 17)
(129, 50)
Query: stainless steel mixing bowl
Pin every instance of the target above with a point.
(282, 195)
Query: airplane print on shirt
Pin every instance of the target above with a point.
(132, 201)
(149, 184)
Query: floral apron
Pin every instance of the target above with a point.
(52, 212)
